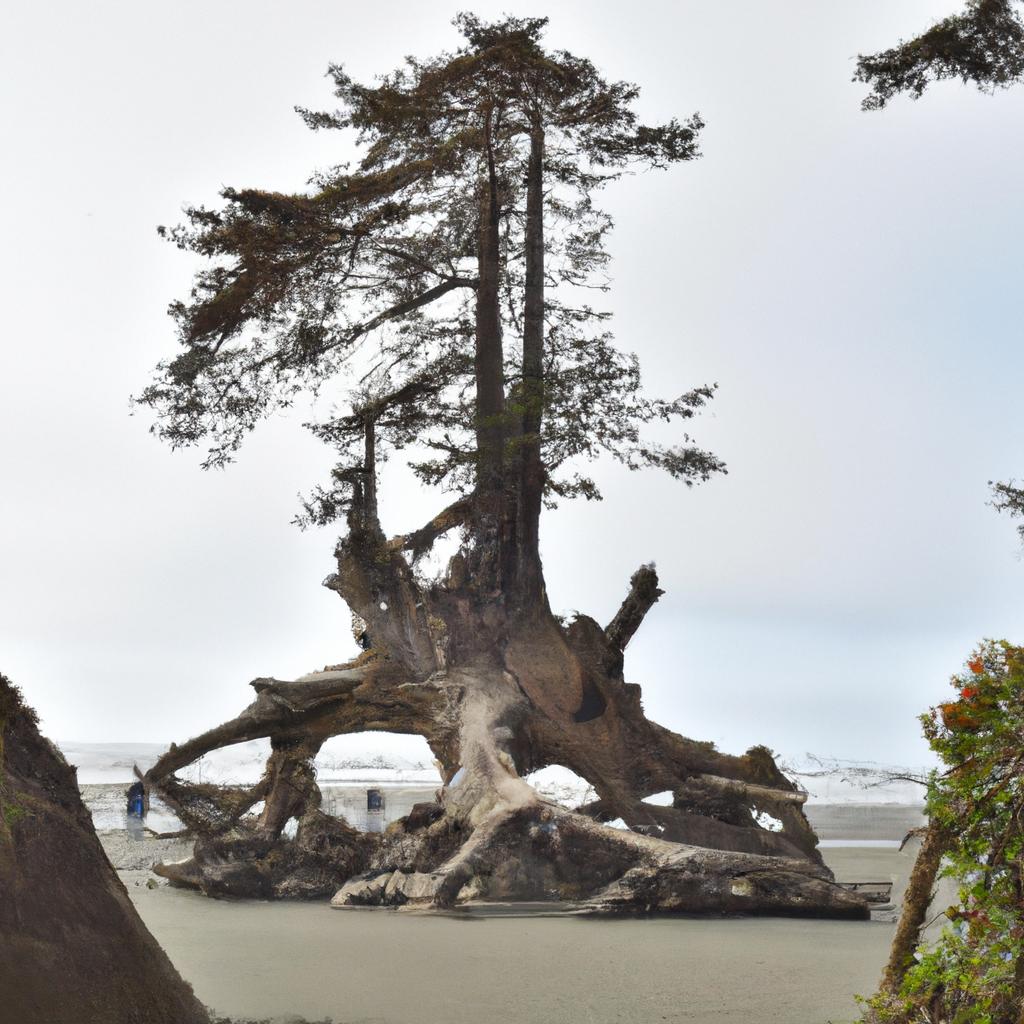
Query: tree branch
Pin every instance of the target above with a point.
(401, 308)
(916, 900)
(422, 539)
(643, 592)
(749, 790)
(276, 707)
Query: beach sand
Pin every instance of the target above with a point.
(273, 959)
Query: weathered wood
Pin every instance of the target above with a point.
(916, 900)
(749, 790)
(529, 576)
(643, 592)
(493, 837)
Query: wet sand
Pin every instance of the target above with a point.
(269, 959)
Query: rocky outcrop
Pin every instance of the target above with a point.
(72, 947)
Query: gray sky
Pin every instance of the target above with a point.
(851, 280)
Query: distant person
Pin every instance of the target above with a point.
(137, 801)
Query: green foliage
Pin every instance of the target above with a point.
(984, 44)
(14, 812)
(1009, 498)
(366, 285)
(11, 706)
(974, 973)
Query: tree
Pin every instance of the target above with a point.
(984, 44)
(447, 276)
(974, 974)
(1007, 497)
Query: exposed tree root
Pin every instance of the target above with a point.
(489, 835)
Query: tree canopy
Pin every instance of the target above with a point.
(974, 974)
(445, 282)
(983, 44)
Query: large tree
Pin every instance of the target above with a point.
(443, 281)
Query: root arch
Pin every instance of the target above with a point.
(556, 696)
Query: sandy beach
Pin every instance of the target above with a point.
(271, 960)
(275, 959)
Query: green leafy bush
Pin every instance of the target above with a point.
(974, 973)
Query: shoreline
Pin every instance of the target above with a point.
(520, 964)
(251, 959)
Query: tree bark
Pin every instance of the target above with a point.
(490, 373)
(643, 592)
(497, 700)
(531, 490)
(916, 900)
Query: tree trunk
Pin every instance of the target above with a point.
(916, 900)
(489, 360)
(496, 699)
(529, 576)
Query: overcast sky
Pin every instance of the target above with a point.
(851, 281)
